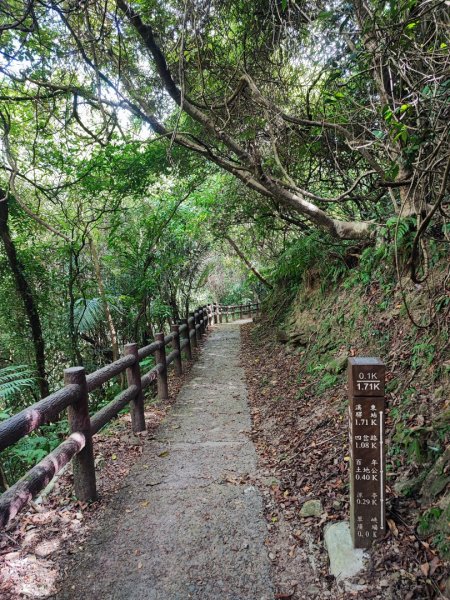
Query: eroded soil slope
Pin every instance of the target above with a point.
(296, 376)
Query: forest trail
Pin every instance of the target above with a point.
(185, 525)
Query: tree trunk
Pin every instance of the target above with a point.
(101, 291)
(73, 274)
(24, 290)
(174, 306)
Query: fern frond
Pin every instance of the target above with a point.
(14, 380)
(88, 313)
(205, 273)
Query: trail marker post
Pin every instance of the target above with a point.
(366, 378)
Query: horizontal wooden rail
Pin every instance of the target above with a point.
(111, 410)
(147, 350)
(151, 376)
(98, 378)
(168, 339)
(172, 356)
(74, 397)
(18, 495)
(29, 419)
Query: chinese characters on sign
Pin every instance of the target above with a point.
(367, 471)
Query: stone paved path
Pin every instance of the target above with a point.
(182, 527)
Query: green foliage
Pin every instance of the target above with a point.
(422, 354)
(327, 381)
(147, 364)
(310, 255)
(160, 311)
(434, 523)
(413, 441)
(394, 242)
(14, 380)
(428, 520)
(88, 314)
(241, 292)
(31, 449)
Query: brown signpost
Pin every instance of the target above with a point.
(367, 465)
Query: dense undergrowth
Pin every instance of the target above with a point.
(359, 303)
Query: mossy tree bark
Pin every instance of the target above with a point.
(26, 294)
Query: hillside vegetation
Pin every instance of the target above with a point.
(366, 313)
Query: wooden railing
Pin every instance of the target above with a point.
(75, 397)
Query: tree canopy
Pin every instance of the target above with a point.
(337, 111)
(139, 136)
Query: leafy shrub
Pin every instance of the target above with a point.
(28, 451)
(308, 254)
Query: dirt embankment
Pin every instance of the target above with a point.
(296, 375)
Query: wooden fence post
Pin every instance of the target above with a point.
(219, 309)
(79, 421)
(192, 327)
(205, 318)
(249, 310)
(241, 311)
(160, 356)
(215, 313)
(226, 314)
(187, 348)
(134, 378)
(200, 329)
(176, 346)
(201, 320)
(196, 321)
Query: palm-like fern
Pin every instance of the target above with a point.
(14, 380)
(88, 314)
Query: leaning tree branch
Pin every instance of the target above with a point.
(245, 260)
(425, 223)
(255, 177)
